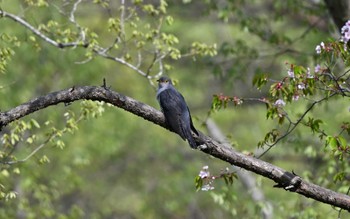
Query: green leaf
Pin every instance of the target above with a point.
(60, 144)
(259, 80)
(169, 20)
(198, 183)
(5, 173)
(339, 176)
(11, 195)
(44, 159)
(341, 142)
(30, 140)
(34, 123)
(332, 142)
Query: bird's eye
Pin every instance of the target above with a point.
(166, 81)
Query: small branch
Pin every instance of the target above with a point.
(291, 128)
(122, 20)
(122, 61)
(30, 27)
(42, 145)
(97, 50)
(283, 178)
(30, 155)
(74, 9)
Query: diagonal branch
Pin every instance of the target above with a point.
(37, 32)
(293, 126)
(287, 180)
(103, 52)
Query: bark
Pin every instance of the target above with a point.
(284, 179)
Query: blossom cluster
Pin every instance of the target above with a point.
(320, 47)
(300, 82)
(207, 179)
(345, 38)
(345, 32)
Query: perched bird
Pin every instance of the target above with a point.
(175, 110)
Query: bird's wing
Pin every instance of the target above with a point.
(170, 102)
(191, 124)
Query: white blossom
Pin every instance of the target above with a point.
(345, 32)
(317, 68)
(280, 102)
(290, 73)
(318, 49)
(301, 86)
(207, 187)
(203, 174)
(295, 97)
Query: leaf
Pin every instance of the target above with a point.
(16, 170)
(198, 183)
(60, 144)
(44, 159)
(331, 142)
(5, 173)
(339, 176)
(341, 142)
(169, 20)
(30, 140)
(34, 123)
(259, 80)
(11, 195)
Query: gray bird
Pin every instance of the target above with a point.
(175, 110)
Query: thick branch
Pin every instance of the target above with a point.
(284, 179)
(79, 93)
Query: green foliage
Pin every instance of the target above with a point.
(302, 98)
(7, 43)
(316, 87)
(260, 80)
(220, 101)
(38, 3)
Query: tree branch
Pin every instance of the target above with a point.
(103, 52)
(37, 32)
(284, 179)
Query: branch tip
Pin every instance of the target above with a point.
(104, 83)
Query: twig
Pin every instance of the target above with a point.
(295, 124)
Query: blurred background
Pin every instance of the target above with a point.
(116, 165)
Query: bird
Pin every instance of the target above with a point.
(175, 110)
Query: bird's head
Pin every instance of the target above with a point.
(164, 82)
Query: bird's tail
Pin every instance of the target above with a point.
(190, 139)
